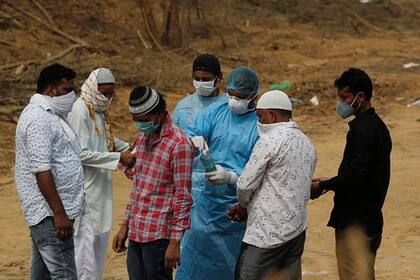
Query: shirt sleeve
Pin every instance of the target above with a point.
(181, 163)
(250, 179)
(88, 157)
(358, 161)
(201, 126)
(120, 145)
(39, 138)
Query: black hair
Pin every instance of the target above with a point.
(52, 75)
(356, 80)
(208, 63)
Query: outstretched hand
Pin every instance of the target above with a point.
(316, 190)
(237, 213)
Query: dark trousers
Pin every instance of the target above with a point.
(283, 262)
(146, 261)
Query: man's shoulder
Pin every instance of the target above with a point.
(184, 101)
(34, 114)
(79, 107)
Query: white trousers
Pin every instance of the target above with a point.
(90, 252)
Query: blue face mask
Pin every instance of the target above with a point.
(345, 110)
(147, 127)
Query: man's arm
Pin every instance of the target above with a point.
(360, 159)
(91, 158)
(182, 161)
(62, 223)
(39, 137)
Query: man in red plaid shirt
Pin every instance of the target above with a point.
(160, 201)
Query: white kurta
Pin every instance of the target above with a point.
(275, 185)
(98, 165)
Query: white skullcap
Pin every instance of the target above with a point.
(274, 99)
(105, 76)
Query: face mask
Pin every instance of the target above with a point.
(147, 127)
(63, 104)
(345, 110)
(205, 88)
(239, 106)
(264, 128)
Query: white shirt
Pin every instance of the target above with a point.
(275, 185)
(41, 145)
(98, 165)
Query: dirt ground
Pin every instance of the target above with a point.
(306, 42)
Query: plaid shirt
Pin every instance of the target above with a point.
(160, 200)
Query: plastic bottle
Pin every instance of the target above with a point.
(207, 161)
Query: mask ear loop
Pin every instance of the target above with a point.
(354, 100)
(251, 99)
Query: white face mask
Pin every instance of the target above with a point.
(264, 128)
(205, 88)
(239, 106)
(63, 104)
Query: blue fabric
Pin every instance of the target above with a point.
(244, 80)
(186, 111)
(51, 258)
(190, 107)
(211, 246)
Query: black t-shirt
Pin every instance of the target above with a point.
(363, 176)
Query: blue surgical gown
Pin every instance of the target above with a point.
(211, 246)
(186, 111)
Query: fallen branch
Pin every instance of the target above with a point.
(16, 64)
(6, 43)
(52, 28)
(43, 11)
(140, 36)
(10, 17)
(364, 21)
(8, 118)
(61, 54)
(48, 60)
(7, 182)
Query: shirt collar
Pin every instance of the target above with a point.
(289, 124)
(166, 126)
(362, 116)
(42, 101)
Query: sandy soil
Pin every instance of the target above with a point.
(307, 42)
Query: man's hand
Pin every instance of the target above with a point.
(316, 190)
(237, 213)
(118, 243)
(172, 255)
(63, 226)
(127, 159)
(221, 176)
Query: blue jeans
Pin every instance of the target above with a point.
(146, 261)
(51, 258)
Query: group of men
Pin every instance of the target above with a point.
(244, 219)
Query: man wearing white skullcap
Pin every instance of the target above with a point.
(273, 190)
(101, 153)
